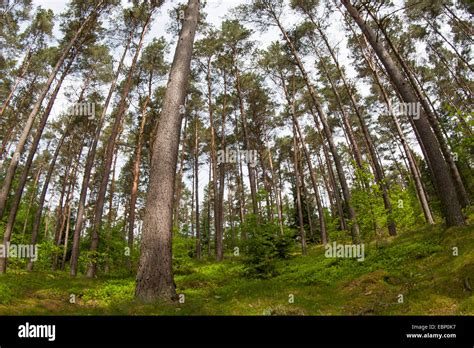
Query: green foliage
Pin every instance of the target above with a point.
(407, 211)
(183, 252)
(418, 263)
(46, 252)
(264, 246)
(111, 292)
(6, 294)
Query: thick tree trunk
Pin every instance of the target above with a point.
(155, 272)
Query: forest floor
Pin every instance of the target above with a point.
(419, 265)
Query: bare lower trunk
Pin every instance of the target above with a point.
(135, 180)
(196, 182)
(180, 177)
(155, 273)
(298, 184)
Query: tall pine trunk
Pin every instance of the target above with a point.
(155, 273)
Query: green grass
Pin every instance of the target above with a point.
(418, 265)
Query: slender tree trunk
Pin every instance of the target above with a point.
(66, 237)
(72, 176)
(299, 134)
(276, 189)
(31, 155)
(432, 119)
(155, 273)
(32, 199)
(327, 131)
(442, 178)
(196, 182)
(243, 118)
(25, 64)
(110, 216)
(215, 189)
(308, 210)
(88, 167)
(243, 211)
(135, 180)
(193, 214)
(99, 205)
(180, 176)
(222, 167)
(39, 211)
(209, 251)
(68, 210)
(36, 108)
(61, 215)
(298, 185)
